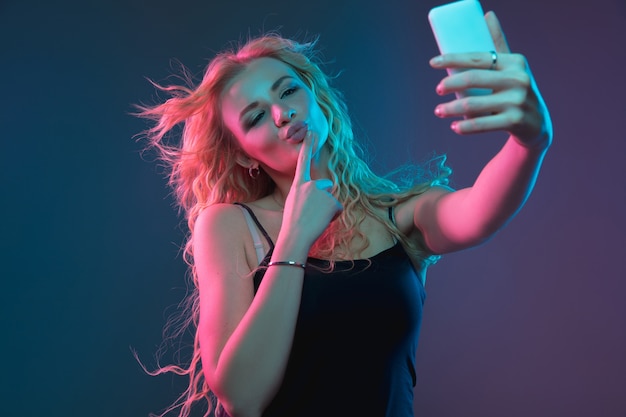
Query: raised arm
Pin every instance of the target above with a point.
(454, 220)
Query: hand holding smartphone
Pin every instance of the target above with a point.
(460, 27)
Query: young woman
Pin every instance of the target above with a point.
(309, 269)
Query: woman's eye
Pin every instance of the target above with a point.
(289, 92)
(254, 120)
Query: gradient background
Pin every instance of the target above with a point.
(533, 323)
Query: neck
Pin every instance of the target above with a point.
(279, 199)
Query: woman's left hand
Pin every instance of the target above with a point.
(515, 104)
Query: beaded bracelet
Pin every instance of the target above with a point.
(286, 263)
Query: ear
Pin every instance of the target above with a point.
(245, 161)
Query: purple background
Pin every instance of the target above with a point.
(532, 323)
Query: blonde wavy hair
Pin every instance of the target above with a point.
(202, 170)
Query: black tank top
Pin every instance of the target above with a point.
(355, 341)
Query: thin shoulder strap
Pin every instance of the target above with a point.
(391, 216)
(251, 219)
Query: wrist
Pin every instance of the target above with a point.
(539, 145)
(290, 248)
(287, 263)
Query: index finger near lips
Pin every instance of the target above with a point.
(303, 168)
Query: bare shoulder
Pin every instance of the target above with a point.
(219, 240)
(218, 217)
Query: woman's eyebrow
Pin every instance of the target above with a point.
(254, 104)
(278, 81)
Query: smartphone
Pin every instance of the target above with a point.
(460, 27)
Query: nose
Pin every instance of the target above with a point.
(283, 115)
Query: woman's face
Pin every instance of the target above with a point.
(269, 111)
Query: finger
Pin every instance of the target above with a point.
(497, 33)
(501, 121)
(324, 184)
(471, 106)
(465, 60)
(486, 79)
(303, 167)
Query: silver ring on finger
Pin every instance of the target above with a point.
(494, 60)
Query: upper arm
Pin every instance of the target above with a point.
(225, 286)
(439, 217)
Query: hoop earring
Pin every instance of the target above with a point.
(254, 172)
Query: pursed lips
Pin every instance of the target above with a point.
(297, 131)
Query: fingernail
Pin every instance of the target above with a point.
(439, 111)
(436, 61)
(455, 126)
(439, 89)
